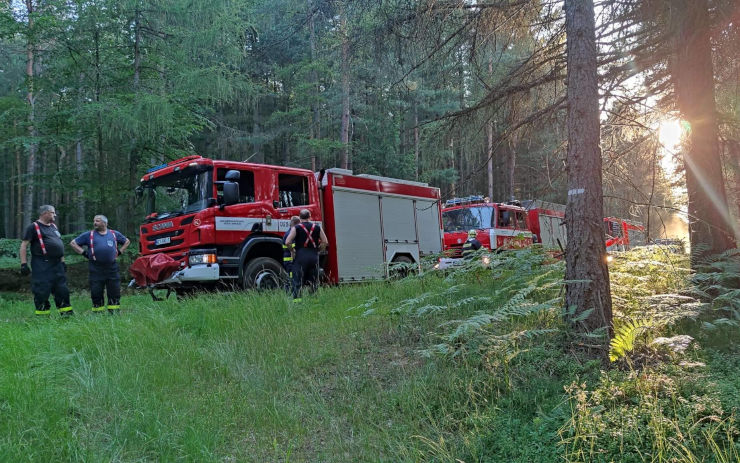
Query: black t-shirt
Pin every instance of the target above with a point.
(301, 235)
(52, 240)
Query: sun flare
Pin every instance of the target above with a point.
(670, 134)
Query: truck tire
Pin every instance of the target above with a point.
(401, 267)
(263, 273)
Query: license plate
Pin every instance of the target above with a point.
(160, 241)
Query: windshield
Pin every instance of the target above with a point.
(467, 218)
(178, 193)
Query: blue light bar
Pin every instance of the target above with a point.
(161, 166)
(465, 200)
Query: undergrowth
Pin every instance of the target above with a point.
(470, 365)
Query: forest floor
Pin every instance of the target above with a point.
(474, 365)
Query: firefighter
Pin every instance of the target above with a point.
(305, 239)
(101, 253)
(287, 254)
(48, 270)
(471, 244)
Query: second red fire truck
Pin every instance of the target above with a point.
(515, 225)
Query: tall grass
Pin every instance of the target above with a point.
(474, 365)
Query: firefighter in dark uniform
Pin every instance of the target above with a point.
(101, 253)
(48, 270)
(305, 239)
(287, 254)
(471, 244)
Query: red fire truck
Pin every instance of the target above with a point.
(212, 221)
(622, 235)
(498, 225)
(516, 225)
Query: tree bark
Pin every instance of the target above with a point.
(344, 134)
(586, 251)
(315, 132)
(489, 141)
(416, 138)
(710, 225)
(32, 132)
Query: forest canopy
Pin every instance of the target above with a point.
(468, 96)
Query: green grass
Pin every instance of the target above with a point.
(398, 371)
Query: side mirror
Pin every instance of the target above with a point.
(231, 192)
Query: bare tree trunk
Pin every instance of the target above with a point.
(511, 166)
(710, 225)
(257, 151)
(489, 140)
(416, 139)
(32, 132)
(344, 133)
(586, 251)
(453, 189)
(19, 218)
(315, 132)
(80, 169)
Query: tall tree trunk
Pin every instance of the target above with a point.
(511, 166)
(710, 224)
(315, 132)
(585, 256)
(416, 138)
(19, 218)
(489, 141)
(344, 133)
(453, 186)
(80, 169)
(257, 151)
(32, 132)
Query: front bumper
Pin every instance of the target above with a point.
(196, 273)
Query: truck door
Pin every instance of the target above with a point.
(292, 194)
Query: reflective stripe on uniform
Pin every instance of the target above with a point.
(41, 238)
(114, 307)
(309, 233)
(43, 312)
(65, 309)
(98, 309)
(92, 246)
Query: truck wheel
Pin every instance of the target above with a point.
(401, 267)
(263, 273)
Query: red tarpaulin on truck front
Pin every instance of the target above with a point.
(148, 270)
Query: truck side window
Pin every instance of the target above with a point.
(292, 190)
(504, 218)
(521, 221)
(246, 184)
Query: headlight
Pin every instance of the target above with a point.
(486, 260)
(202, 259)
(609, 258)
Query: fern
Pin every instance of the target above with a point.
(623, 342)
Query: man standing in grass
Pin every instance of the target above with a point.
(48, 270)
(101, 253)
(308, 238)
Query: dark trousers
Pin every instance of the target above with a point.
(105, 277)
(48, 277)
(305, 270)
